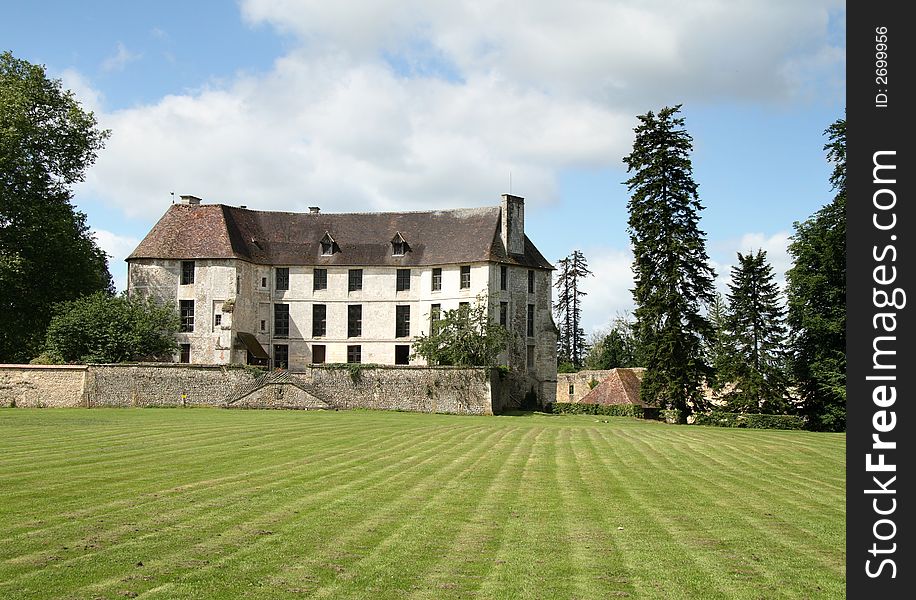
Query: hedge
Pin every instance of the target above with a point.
(611, 410)
(750, 421)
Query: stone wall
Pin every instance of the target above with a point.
(420, 389)
(41, 385)
(164, 384)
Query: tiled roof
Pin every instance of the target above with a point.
(284, 238)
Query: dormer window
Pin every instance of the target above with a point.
(399, 246)
(328, 245)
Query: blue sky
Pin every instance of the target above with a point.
(410, 105)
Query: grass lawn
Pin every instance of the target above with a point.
(209, 503)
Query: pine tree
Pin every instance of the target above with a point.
(718, 346)
(571, 344)
(817, 300)
(670, 267)
(756, 365)
(564, 316)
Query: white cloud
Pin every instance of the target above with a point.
(89, 97)
(608, 289)
(120, 59)
(535, 90)
(117, 247)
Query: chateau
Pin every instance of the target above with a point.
(290, 290)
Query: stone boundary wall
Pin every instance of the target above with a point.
(36, 386)
(419, 389)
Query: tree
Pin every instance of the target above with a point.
(718, 346)
(756, 363)
(817, 300)
(465, 336)
(571, 344)
(615, 348)
(100, 328)
(670, 266)
(47, 253)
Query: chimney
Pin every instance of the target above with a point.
(189, 199)
(512, 219)
(314, 210)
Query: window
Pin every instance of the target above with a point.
(187, 272)
(355, 320)
(402, 354)
(184, 353)
(263, 282)
(354, 354)
(435, 313)
(320, 279)
(530, 282)
(328, 246)
(530, 358)
(186, 310)
(282, 278)
(504, 314)
(281, 356)
(263, 325)
(238, 284)
(572, 389)
(401, 321)
(503, 277)
(281, 320)
(403, 280)
(217, 320)
(319, 354)
(531, 320)
(465, 277)
(399, 245)
(437, 280)
(464, 306)
(319, 320)
(355, 282)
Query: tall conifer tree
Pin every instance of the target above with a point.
(670, 266)
(571, 342)
(817, 300)
(756, 365)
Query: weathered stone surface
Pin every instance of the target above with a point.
(421, 389)
(41, 385)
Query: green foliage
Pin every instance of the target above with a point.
(611, 410)
(109, 329)
(567, 367)
(817, 301)
(463, 337)
(755, 363)
(718, 345)
(571, 345)
(47, 252)
(255, 371)
(618, 348)
(671, 269)
(750, 421)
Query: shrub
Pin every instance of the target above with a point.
(750, 421)
(110, 329)
(611, 410)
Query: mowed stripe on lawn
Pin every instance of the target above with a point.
(206, 503)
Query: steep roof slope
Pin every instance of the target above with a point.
(284, 238)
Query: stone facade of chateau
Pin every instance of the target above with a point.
(297, 289)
